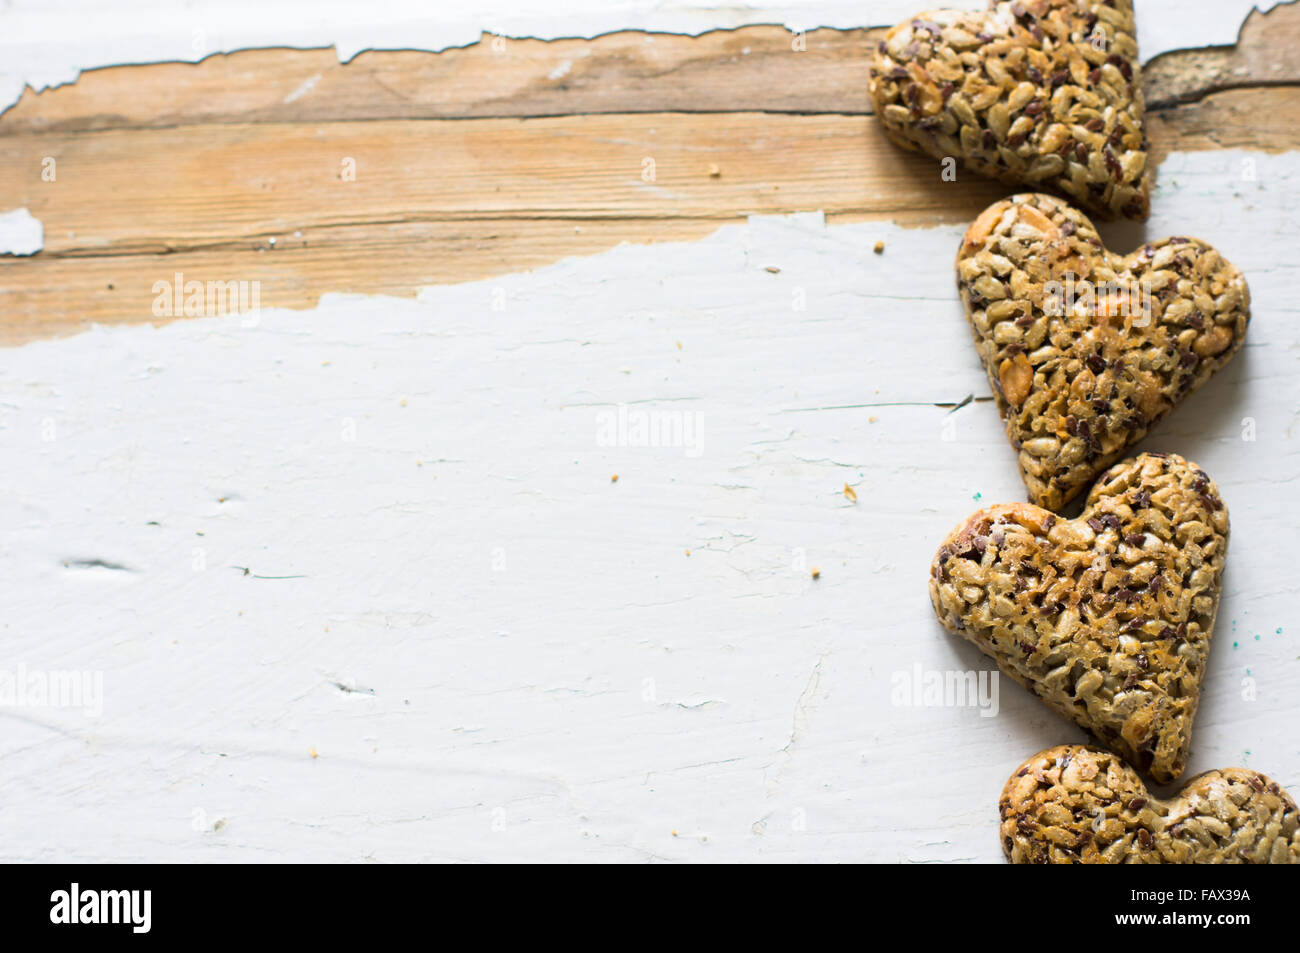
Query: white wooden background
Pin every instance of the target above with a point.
(488, 650)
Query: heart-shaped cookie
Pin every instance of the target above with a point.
(1045, 93)
(1085, 349)
(1107, 618)
(1076, 805)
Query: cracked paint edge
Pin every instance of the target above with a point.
(139, 32)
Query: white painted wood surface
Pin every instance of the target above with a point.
(488, 650)
(527, 644)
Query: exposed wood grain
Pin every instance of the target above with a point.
(756, 68)
(1262, 118)
(59, 295)
(752, 68)
(433, 201)
(1267, 53)
(196, 168)
(445, 201)
(167, 190)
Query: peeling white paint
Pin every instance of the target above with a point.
(459, 639)
(38, 49)
(21, 233)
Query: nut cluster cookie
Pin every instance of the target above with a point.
(1086, 350)
(1107, 618)
(1072, 804)
(1046, 93)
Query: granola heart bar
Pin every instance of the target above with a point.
(1076, 805)
(1046, 93)
(1107, 618)
(1086, 350)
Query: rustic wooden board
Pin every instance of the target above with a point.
(357, 577)
(197, 168)
(460, 639)
(755, 68)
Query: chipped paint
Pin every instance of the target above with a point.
(21, 233)
(141, 31)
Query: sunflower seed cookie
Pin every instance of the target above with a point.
(1045, 93)
(1107, 618)
(1086, 350)
(1076, 805)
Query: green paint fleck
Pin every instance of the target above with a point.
(977, 496)
(1234, 645)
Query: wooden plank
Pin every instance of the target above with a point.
(1267, 53)
(197, 168)
(748, 69)
(444, 201)
(175, 189)
(756, 68)
(433, 201)
(458, 634)
(1262, 119)
(52, 295)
